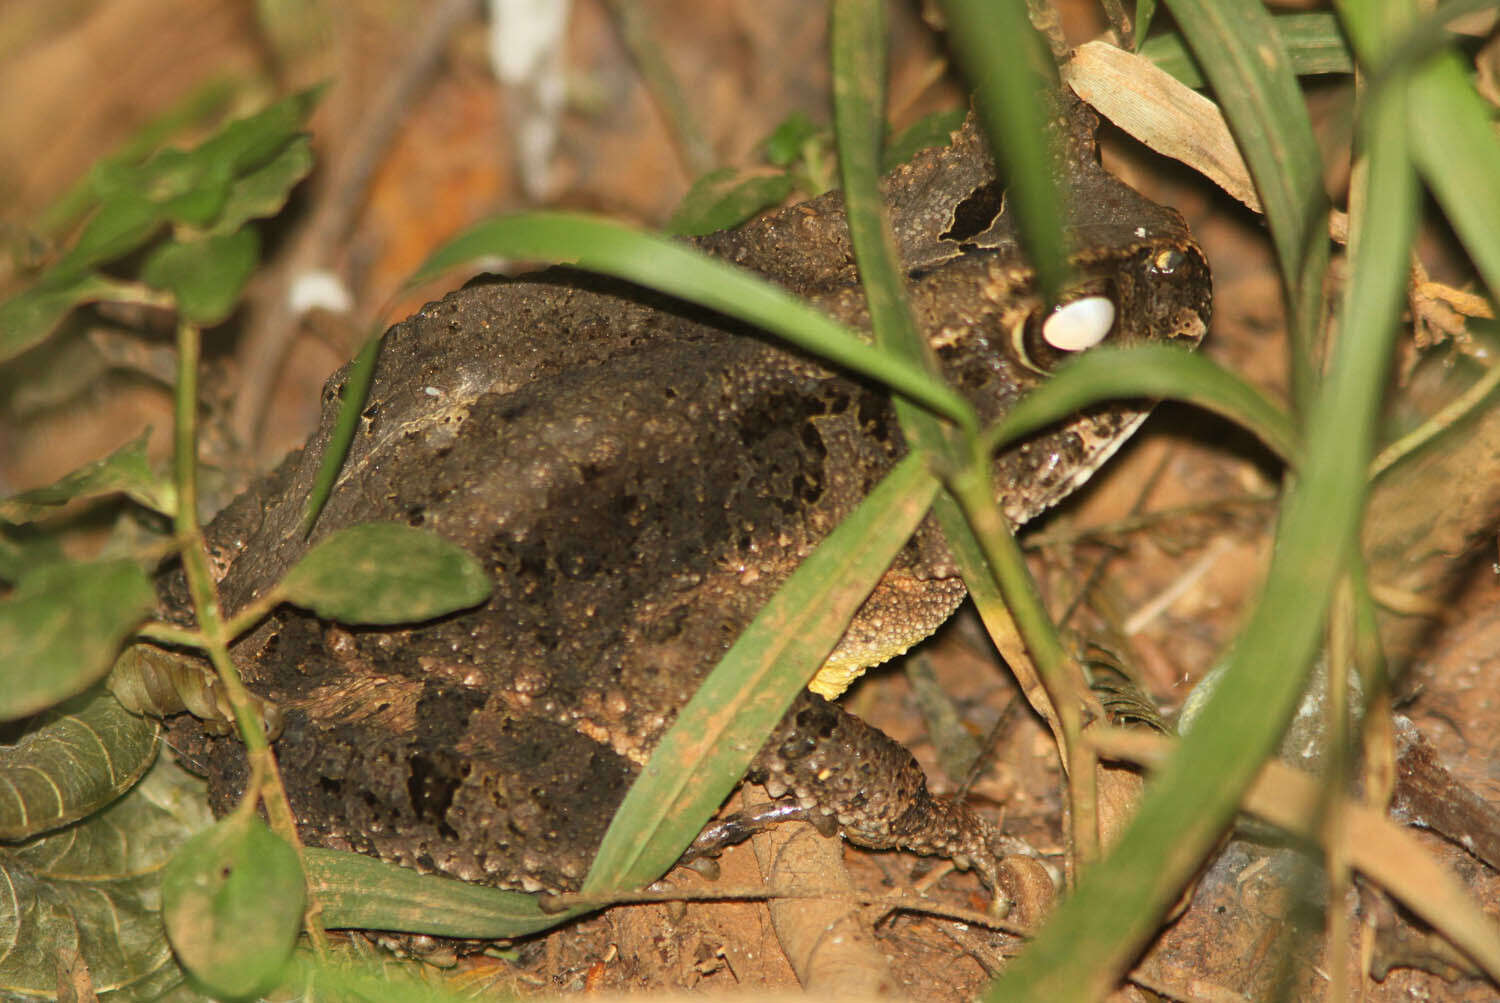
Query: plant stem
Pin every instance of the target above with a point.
(971, 488)
(213, 638)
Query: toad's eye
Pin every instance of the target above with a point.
(1041, 342)
(1081, 324)
(1168, 261)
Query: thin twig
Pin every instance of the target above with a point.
(266, 777)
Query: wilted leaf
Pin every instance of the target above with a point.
(204, 276)
(158, 682)
(383, 573)
(61, 629)
(125, 470)
(70, 762)
(232, 901)
(93, 888)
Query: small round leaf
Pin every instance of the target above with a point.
(383, 573)
(232, 902)
(206, 276)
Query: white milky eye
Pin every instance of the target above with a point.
(1080, 324)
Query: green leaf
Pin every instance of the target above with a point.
(94, 888)
(70, 762)
(120, 225)
(264, 191)
(725, 198)
(784, 146)
(23, 549)
(61, 629)
(351, 400)
(858, 43)
(1236, 43)
(665, 265)
(27, 318)
(249, 143)
(1157, 371)
(384, 573)
(1012, 94)
(360, 892)
(203, 105)
(232, 901)
(1314, 43)
(1093, 936)
(126, 471)
(710, 745)
(205, 276)
(1455, 147)
(926, 132)
(1145, 13)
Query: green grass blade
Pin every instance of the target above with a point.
(1011, 97)
(677, 270)
(707, 749)
(858, 43)
(351, 401)
(1236, 43)
(1157, 371)
(1093, 936)
(1457, 152)
(1314, 43)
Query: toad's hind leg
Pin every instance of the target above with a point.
(841, 770)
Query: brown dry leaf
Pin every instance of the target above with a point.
(1162, 112)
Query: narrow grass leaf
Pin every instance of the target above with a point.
(382, 573)
(352, 396)
(715, 737)
(859, 58)
(1389, 853)
(1145, 13)
(359, 892)
(677, 270)
(1314, 43)
(1156, 371)
(1458, 153)
(1236, 44)
(1092, 937)
(1426, 36)
(858, 43)
(1011, 97)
